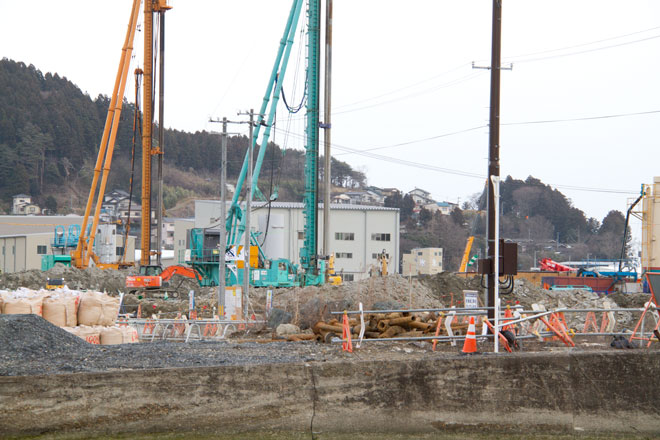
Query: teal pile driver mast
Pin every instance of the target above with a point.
(274, 272)
(270, 274)
(309, 253)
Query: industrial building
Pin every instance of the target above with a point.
(422, 261)
(24, 240)
(358, 234)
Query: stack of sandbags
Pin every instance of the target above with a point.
(22, 301)
(61, 308)
(97, 309)
(88, 333)
(105, 335)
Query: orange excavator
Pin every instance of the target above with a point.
(154, 281)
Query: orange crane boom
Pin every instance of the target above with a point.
(84, 251)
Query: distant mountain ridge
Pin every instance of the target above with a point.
(50, 133)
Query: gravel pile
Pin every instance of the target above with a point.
(30, 345)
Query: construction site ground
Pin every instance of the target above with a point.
(263, 435)
(30, 346)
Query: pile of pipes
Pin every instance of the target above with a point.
(389, 325)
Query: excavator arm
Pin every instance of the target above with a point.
(184, 271)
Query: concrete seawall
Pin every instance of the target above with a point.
(617, 391)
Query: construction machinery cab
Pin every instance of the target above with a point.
(151, 270)
(54, 283)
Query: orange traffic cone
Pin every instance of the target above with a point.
(347, 345)
(470, 345)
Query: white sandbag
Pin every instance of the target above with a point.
(97, 309)
(60, 310)
(129, 335)
(111, 336)
(90, 334)
(23, 305)
(73, 330)
(110, 310)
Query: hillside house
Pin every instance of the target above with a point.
(22, 205)
(421, 197)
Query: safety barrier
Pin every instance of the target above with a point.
(185, 330)
(553, 321)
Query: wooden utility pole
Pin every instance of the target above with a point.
(248, 208)
(223, 219)
(327, 171)
(494, 147)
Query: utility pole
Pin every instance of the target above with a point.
(327, 176)
(223, 219)
(494, 148)
(248, 208)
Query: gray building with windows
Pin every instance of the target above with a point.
(358, 234)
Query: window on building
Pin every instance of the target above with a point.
(119, 251)
(344, 255)
(301, 235)
(419, 253)
(380, 237)
(345, 236)
(42, 249)
(374, 256)
(348, 277)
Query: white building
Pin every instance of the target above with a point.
(422, 261)
(421, 197)
(22, 204)
(444, 208)
(358, 233)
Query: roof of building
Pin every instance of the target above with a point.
(419, 190)
(21, 195)
(34, 224)
(298, 205)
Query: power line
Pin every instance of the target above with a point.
(589, 50)
(452, 83)
(587, 118)
(405, 87)
(582, 44)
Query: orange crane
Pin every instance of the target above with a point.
(84, 251)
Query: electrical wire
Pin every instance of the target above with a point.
(596, 49)
(404, 87)
(587, 118)
(580, 45)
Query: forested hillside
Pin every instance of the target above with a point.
(49, 137)
(541, 219)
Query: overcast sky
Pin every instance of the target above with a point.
(403, 82)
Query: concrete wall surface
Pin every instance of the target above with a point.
(616, 391)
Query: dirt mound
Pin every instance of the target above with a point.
(307, 305)
(92, 278)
